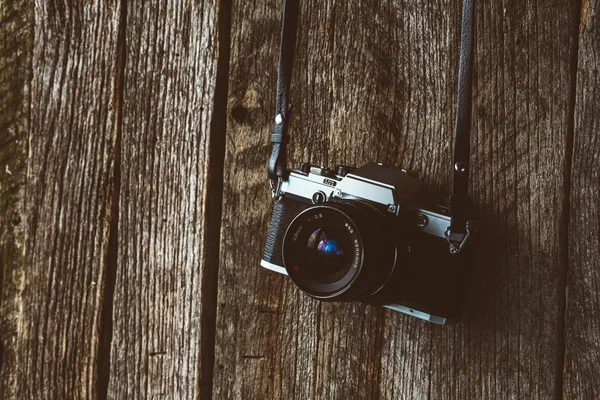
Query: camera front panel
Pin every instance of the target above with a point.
(429, 281)
(284, 211)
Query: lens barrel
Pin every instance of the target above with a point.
(340, 250)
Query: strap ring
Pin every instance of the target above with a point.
(276, 192)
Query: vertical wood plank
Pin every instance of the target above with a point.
(509, 344)
(372, 82)
(16, 50)
(377, 83)
(253, 332)
(69, 198)
(582, 319)
(161, 345)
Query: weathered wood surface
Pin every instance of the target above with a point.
(122, 110)
(511, 342)
(377, 82)
(69, 198)
(114, 121)
(582, 319)
(166, 252)
(16, 33)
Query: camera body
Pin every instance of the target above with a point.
(368, 234)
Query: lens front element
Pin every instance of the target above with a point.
(324, 252)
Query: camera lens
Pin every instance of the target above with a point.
(327, 251)
(339, 251)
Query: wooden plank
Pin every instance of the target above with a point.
(273, 342)
(16, 31)
(169, 209)
(69, 198)
(377, 82)
(582, 319)
(509, 344)
(266, 331)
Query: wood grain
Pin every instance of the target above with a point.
(510, 342)
(16, 31)
(377, 83)
(114, 121)
(163, 307)
(361, 93)
(582, 319)
(69, 197)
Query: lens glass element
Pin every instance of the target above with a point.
(336, 251)
(322, 251)
(325, 252)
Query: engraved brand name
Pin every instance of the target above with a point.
(329, 182)
(356, 246)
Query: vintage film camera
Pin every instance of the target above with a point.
(372, 234)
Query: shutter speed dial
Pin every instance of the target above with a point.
(304, 168)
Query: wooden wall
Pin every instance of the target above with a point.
(134, 204)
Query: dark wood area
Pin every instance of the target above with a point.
(134, 202)
(582, 318)
(16, 31)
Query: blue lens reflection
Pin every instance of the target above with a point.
(329, 248)
(325, 252)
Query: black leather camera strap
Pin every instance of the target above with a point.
(279, 139)
(460, 204)
(460, 208)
